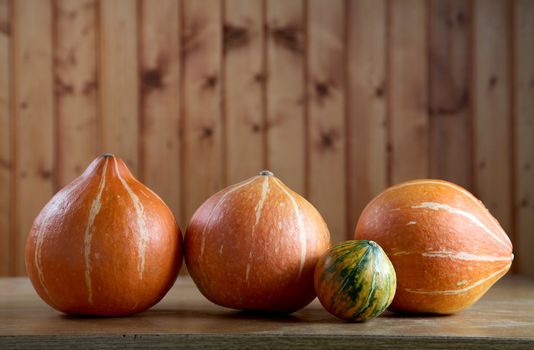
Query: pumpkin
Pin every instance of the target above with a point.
(104, 245)
(355, 280)
(254, 246)
(447, 249)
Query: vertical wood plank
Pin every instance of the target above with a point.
(75, 87)
(407, 109)
(160, 82)
(5, 138)
(492, 108)
(450, 117)
(243, 88)
(326, 113)
(203, 126)
(524, 132)
(34, 116)
(286, 134)
(119, 91)
(366, 107)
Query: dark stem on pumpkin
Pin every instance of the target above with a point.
(266, 173)
(107, 155)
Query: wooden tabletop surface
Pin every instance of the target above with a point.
(503, 318)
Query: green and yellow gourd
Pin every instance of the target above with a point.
(355, 280)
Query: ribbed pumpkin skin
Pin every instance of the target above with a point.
(104, 245)
(355, 280)
(447, 249)
(254, 246)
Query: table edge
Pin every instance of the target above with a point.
(246, 340)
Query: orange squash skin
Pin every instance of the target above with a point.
(104, 245)
(254, 246)
(447, 249)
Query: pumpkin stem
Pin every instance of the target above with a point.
(107, 155)
(373, 243)
(266, 173)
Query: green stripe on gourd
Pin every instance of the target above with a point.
(355, 280)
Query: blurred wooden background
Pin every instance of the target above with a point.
(339, 98)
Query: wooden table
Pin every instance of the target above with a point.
(504, 318)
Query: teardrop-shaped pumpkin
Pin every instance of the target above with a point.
(104, 245)
(355, 280)
(254, 246)
(447, 249)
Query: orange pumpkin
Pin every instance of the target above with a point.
(447, 249)
(254, 246)
(104, 245)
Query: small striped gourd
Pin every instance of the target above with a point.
(355, 280)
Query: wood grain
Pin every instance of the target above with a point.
(33, 117)
(119, 83)
(366, 105)
(5, 137)
(524, 133)
(75, 87)
(407, 87)
(160, 62)
(244, 82)
(450, 80)
(491, 106)
(203, 125)
(326, 146)
(185, 319)
(286, 127)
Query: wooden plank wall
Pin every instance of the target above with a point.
(340, 99)
(6, 164)
(33, 116)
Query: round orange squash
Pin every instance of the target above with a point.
(104, 245)
(447, 249)
(254, 246)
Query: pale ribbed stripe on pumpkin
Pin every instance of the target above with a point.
(440, 206)
(474, 199)
(466, 256)
(463, 290)
(456, 255)
(259, 207)
(140, 216)
(37, 257)
(247, 272)
(461, 190)
(88, 235)
(302, 233)
(216, 206)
